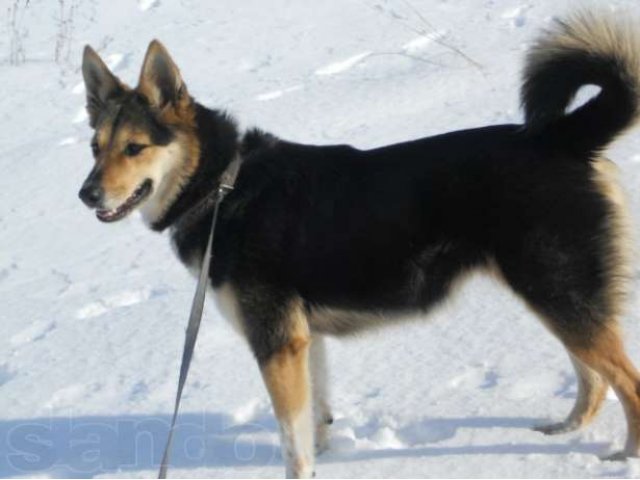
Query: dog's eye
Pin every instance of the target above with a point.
(95, 148)
(133, 149)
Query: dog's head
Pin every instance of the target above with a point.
(145, 145)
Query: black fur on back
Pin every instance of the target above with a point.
(388, 231)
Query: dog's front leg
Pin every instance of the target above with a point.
(286, 374)
(319, 380)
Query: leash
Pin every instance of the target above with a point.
(227, 183)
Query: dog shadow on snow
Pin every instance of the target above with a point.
(86, 446)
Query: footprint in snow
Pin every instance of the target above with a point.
(375, 434)
(265, 97)
(145, 5)
(421, 43)
(254, 415)
(35, 332)
(248, 412)
(343, 65)
(413, 47)
(65, 142)
(517, 16)
(380, 433)
(430, 430)
(342, 436)
(4, 273)
(139, 391)
(118, 300)
(386, 438)
(490, 380)
(342, 442)
(71, 395)
(5, 374)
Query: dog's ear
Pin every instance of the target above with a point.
(100, 83)
(160, 80)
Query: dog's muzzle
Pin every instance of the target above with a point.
(91, 192)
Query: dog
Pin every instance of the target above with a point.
(332, 240)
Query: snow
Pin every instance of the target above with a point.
(343, 65)
(420, 43)
(264, 97)
(93, 315)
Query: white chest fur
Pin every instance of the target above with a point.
(227, 302)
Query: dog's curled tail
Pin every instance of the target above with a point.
(587, 49)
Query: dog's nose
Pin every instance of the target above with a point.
(91, 194)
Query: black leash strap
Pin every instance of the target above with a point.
(227, 182)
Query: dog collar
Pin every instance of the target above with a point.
(226, 184)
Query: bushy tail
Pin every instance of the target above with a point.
(587, 49)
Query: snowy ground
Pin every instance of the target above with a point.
(92, 315)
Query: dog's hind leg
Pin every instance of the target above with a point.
(576, 282)
(319, 380)
(605, 354)
(592, 390)
(597, 346)
(595, 342)
(282, 349)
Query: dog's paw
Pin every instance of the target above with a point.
(322, 445)
(300, 471)
(557, 428)
(620, 456)
(322, 434)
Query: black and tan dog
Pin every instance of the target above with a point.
(321, 240)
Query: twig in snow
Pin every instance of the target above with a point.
(430, 32)
(453, 48)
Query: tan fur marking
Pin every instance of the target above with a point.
(607, 357)
(122, 174)
(103, 135)
(181, 116)
(600, 33)
(592, 390)
(169, 166)
(620, 254)
(187, 155)
(286, 373)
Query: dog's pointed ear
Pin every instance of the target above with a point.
(100, 83)
(160, 80)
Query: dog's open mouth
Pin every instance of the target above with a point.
(130, 203)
